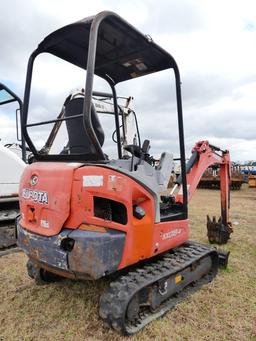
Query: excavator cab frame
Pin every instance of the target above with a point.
(107, 46)
(11, 98)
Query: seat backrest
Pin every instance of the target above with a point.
(79, 142)
(165, 169)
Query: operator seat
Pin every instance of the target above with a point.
(79, 142)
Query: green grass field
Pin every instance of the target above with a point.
(222, 310)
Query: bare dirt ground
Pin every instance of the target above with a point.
(222, 310)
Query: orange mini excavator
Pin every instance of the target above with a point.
(85, 216)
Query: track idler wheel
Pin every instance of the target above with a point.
(217, 232)
(41, 276)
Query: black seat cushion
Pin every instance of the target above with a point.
(79, 142)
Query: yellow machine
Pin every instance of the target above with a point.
(252, 181)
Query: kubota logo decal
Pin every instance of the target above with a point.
(33, 180)
(37, 196)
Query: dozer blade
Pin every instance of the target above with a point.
(223, 258)
(218, 232)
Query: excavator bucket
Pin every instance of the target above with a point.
(218, 232)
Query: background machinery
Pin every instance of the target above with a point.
(85, 216)
(249, 173)
(252, 181)
(12, 157)
(211, 178)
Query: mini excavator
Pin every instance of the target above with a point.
(85, 216)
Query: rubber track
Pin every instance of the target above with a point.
(114, 302)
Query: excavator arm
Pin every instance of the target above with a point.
(203, 156)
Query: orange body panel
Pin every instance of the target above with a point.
(45, 202)
(70, 190)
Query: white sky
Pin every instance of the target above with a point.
(213, 42)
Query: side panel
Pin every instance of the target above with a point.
(144, 238)
(93, 181)
(170, 234)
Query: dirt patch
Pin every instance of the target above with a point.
(222, 310)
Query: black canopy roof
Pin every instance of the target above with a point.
(122, 51)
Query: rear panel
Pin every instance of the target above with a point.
(45, 192)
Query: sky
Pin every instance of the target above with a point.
(213, 43)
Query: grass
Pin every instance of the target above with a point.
(222, 310)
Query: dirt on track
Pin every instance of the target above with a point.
(222, 310)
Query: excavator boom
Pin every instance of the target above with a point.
(203, 156)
